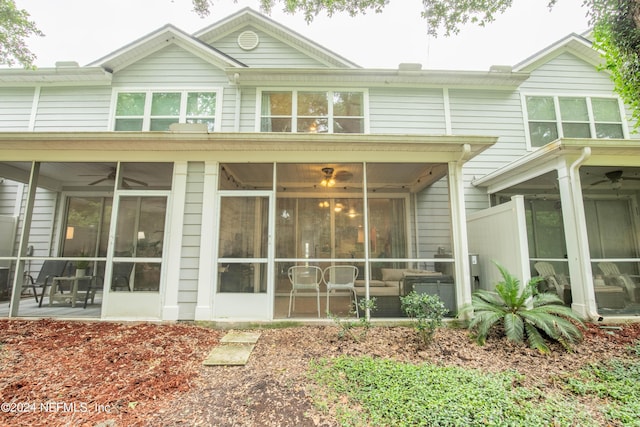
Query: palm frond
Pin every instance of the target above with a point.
(535, 339)
(487, 296)
(545, 298)
(484, 326)
(514, 327)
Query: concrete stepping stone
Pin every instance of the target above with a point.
(234, 349)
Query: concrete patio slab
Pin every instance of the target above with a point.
(241, 337)
(234, 349)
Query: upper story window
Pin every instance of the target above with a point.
(155, 111)
(312, 111)
(553, 117)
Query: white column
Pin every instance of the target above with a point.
(170, 310)
(208, 243)
(459, 234)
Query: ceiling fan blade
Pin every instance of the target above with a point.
(99, 181)
(600, 182)
(135, 181)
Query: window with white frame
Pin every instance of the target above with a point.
(553, 117)
(156, 110)
(312, 111)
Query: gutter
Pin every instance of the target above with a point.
(576, 191)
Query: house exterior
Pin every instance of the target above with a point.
(191, 172)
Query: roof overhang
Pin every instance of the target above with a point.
(52, 146)
(574, 44)
(59, 76)
(506, 80)
(160, 39)
(619, 152)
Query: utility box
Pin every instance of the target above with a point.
(474, 268)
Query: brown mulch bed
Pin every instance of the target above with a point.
(57, 373)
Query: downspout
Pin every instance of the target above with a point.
(236, 118)
(576, 194)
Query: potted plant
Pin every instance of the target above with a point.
(82, 265)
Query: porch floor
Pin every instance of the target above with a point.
(29, 308)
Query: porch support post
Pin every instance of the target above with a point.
(578, 257)
(459, 230)
(18, 278)
(208, 243)
(172, 260)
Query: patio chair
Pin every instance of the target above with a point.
(120, 275)
(49, 270)
(556, 281)
(304, 278)
(341, 278)
(614, 277)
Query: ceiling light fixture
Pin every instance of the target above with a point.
(328, 180)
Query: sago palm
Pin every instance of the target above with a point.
(525, 313)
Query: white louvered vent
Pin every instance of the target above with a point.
(248, 40)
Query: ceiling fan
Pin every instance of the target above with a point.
(615, 178)
(111, 176)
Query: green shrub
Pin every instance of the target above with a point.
(427, 312)
(525, 313)
(346, 326)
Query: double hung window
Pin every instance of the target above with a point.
(553, 117)
(312, 111)
(156, 111)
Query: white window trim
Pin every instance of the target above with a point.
(146, 118)
(558, 121)
(294, 106)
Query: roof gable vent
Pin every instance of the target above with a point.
(248, 40)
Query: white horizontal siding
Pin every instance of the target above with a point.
(433, 219)
(568, 74)
(170, 67)
(406, 111)
(248, 111)
(189, 259)
(270, 52)
(488, 113)
(73, 109)
(15, 108)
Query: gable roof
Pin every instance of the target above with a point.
(249, 17)
(159, 39)
(575, 44)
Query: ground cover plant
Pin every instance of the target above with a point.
(382, 392)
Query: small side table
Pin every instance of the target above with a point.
(56, 285)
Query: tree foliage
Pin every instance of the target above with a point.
(617, 34)
(15, 28)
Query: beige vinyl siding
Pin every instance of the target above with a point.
(406, 111)
(15, 108)
(73, 109)
(189, 262)
(270, 52)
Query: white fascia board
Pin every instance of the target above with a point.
(61, 76)
(573, 43)
(375, 77)
(21, 146)
(157, 40)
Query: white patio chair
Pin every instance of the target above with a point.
(557, 281)
(613, 276)
(341, 278)
(304, 278)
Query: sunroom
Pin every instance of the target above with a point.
(580, 205)
(208, 226)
